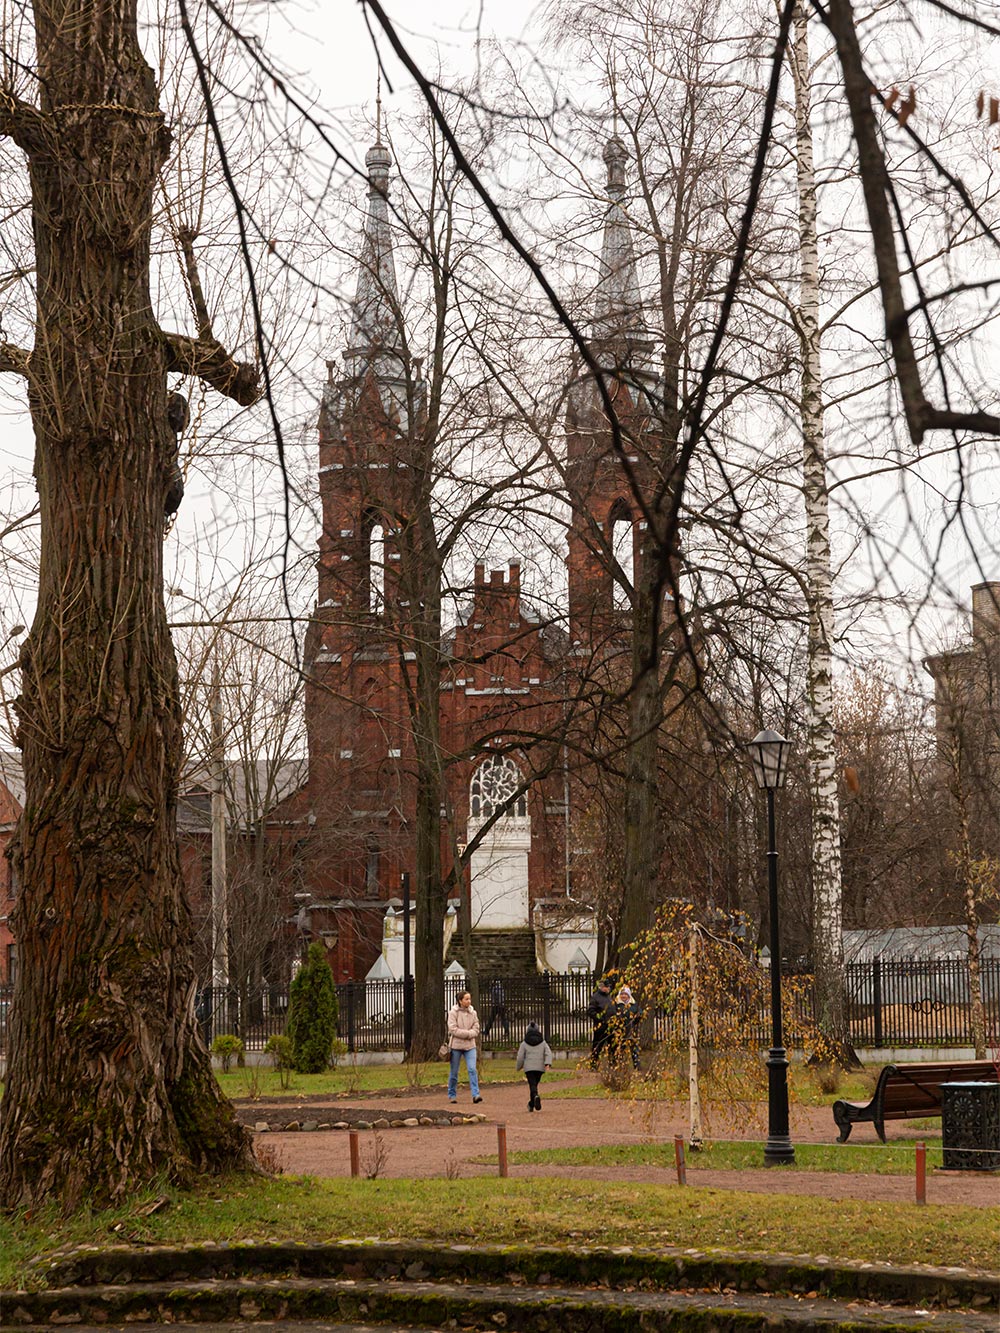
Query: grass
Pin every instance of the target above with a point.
(670, 1084)
(531, 1212)
(348, 1080)
(863, 1158)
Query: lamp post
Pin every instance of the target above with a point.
(768, 755)
(407, 978)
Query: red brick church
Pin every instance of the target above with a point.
(505, 670)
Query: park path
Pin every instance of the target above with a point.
(566, 1122)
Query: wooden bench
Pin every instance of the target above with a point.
(907, 1091)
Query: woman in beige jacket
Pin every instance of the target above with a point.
(463, 1029)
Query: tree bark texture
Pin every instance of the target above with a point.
(827, 896)
(643, 833)
(108, 1084)
(428, 1010)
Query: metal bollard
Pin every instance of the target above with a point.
(682, 1176)
(502, 1148)
(921, 1173)
(355, 1152)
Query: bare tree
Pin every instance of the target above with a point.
(104, 1040)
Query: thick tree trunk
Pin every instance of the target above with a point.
(643, 836)
(431, 895)
(108, 1084)
(827, 935)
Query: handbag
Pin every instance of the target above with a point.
(444, 1051)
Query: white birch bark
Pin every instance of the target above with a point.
(828, 948)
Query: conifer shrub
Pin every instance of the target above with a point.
(227, 1047)
(312, 1013)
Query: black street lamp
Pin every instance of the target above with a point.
(768, 755)
(407, 978)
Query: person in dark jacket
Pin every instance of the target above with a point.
(624, 1021)
(498, 1011)
(534, 1056)
(599, 1013)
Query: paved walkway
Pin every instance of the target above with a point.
(566, 1122)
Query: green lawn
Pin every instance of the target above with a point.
(533, 1212)
(803, 1082)
(347, 1079)
(864, 1158)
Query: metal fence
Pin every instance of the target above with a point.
(371, 1012)
(889, 1003)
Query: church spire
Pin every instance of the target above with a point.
(376, 340)
(618, 321)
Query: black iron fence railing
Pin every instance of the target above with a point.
(889, 1003)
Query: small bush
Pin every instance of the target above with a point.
(827, 1078)
(312, 1013)
(374, 1157)
(251, 1082)
(269, 1158)
(279, 1048)
(226, 1047)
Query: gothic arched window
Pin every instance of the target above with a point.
(622, 536)
(375, 555)
(493, 784)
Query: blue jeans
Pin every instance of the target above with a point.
(470, 1064)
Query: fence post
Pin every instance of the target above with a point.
(355, 1152)
(546, 1007)
(921, 1173)
(351, 1046)
(502, 1148)
(679, 1159)
(877, 1000)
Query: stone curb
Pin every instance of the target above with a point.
(619, 1268)
(265, 1120)
(423, 1303)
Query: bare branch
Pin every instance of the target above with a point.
(209, 360)
(22, 122)
(187, 239)
(13, 359)
(921, 416)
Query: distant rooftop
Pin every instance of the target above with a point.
(927, 942)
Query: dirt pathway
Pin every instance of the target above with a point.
(566, 1122)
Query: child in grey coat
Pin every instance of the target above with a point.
(534, 1056)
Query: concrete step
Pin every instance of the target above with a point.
(416, 1282)
(239, 1326)
(517, 1309)
(498, 953)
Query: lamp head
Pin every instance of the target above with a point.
(768, 757)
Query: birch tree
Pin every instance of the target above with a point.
(827, 935)
(672, 201)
